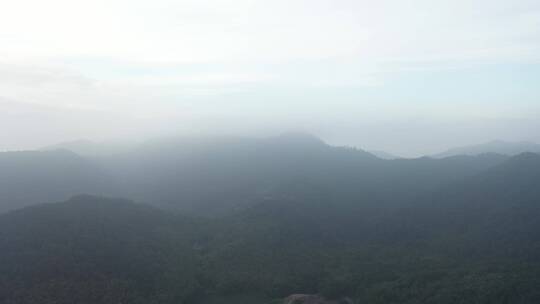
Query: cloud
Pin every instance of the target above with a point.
(315, 63)
(268, 31)
(29, 75)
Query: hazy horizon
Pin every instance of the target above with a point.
(407, 78)
(123, 145)
(269, 151)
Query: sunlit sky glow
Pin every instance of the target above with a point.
(409, 77)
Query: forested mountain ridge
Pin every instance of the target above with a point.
(219, 176)
(503, 200)
(472, 240)
(92, 250)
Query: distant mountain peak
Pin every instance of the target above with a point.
(88, 148)
(301, 138)
(494, 146)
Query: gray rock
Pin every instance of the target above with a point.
(314, 299)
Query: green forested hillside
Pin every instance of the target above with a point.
(471, 241)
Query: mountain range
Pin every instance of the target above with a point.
(250, 220)
(214, 176)
(496, 146)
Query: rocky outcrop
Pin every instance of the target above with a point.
(313, 299)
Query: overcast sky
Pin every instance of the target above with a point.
(409, 77)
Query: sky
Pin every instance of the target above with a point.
(408, 77)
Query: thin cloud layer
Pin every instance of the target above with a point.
(206, 65)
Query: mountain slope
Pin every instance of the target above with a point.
(30, 177)
(472, 241)
(492, 213)
(220, 176)
(93, 250)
